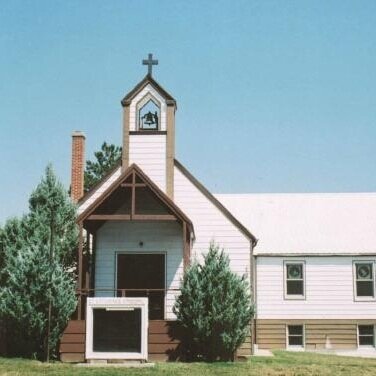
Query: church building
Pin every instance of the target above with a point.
(310, 258)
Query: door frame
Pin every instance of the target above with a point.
(164, 253)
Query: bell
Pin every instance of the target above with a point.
(149, 118)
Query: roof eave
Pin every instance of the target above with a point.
(148, 79)
(99, 183)
(160, 194)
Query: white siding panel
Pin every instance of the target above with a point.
(149, 153)
(98, 192)
(119, 236)
(329, 290)
(211, 224)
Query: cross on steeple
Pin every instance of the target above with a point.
(150, 62)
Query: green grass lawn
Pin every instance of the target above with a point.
(282, 364)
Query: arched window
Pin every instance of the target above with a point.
(149, 114)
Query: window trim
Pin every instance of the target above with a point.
(295, 347)
(374, 335)
(363, 298)
(142, 103)
(291, 296)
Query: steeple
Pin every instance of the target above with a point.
(149, 130)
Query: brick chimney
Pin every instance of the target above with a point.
(78, 165)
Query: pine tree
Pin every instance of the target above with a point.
(54, 216)
(37, 284)
(214, 308)
(106, 159)
(33, 283)
(12, 237)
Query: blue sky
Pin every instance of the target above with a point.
(273, 96)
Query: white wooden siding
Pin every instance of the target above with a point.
(211, 224)
(133, 116)
(159, 237)
(149, 153)
(99, 191)
(329, 290)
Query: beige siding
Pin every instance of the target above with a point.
(270, 334)
(149, 153)
(125, 237)
(211, 224)
(329, 290)
(319, 334)
(245, 348)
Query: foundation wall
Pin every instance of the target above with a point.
(319, 334)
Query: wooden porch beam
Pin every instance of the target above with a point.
(93, 260)
(87, 261)
(136, 217)
(154, 217)
(109, 217)
(131, 185)
(133, 205)
(186, 246)
(79, 281)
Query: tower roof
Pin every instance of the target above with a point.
(148, 79)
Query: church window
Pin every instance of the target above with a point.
(294, 280)
(364, 279)
(149, 116)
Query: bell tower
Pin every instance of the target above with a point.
(149, 130)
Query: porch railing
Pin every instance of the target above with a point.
(157, 304)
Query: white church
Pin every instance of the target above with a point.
(310, 258)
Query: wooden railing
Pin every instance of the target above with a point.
(156, 297)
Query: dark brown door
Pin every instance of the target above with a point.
(141, 273)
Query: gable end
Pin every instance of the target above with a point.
(216, 203)
(126, 101)
(154, 188)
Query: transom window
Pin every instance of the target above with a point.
(295, 335)
(364, 279)
(366, 335)
(294, 279)
(149, 116)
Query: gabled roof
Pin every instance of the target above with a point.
(308, 223)
(99, 183)
(216, 202)
(148, 79)
(153, 187)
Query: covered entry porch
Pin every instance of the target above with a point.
(134, 246)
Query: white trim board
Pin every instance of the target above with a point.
(118, 304)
